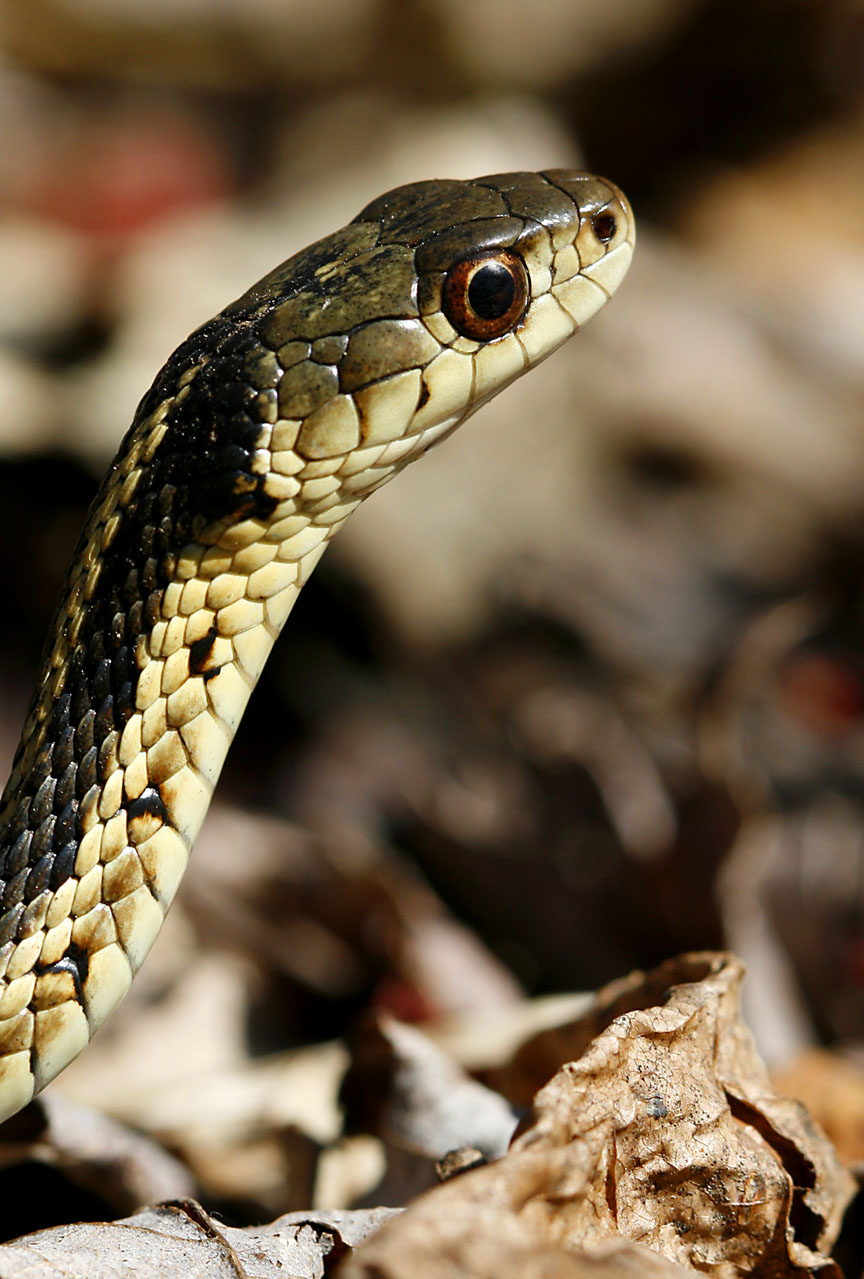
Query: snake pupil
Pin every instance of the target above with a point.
(604, 227)
(492, 291)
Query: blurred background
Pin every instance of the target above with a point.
(583, 689)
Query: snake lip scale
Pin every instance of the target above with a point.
(265, 429)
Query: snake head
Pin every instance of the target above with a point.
(354, 356)
(380, 340)
(357, 354)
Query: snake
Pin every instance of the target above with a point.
(261, 435)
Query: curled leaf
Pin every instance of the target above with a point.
(664, 1137)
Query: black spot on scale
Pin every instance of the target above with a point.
(75, 962)
(148, 804)
(200, 651)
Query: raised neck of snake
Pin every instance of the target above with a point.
(259, 437)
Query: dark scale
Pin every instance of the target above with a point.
(148, 804)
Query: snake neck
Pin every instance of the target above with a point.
(167, 619)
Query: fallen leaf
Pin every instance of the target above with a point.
(414, 1095)
(179, 1238)
(664, 1135)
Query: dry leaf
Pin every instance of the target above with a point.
(181, 1239)
(475, 1227)
(696, 1154)
(664, 1133)
(414, 1095)
(421, 1105)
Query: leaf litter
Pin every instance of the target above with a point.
(656, 1146)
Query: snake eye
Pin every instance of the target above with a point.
(604, 226)
(484, 297)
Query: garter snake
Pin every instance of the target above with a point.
(259, 437)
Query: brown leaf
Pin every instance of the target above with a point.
(665, 1133)
(475, 1227)
(696, 1155)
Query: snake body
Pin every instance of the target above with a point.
(262, 433)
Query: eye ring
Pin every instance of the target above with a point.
(485, 296)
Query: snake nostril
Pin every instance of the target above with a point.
(604, 226)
